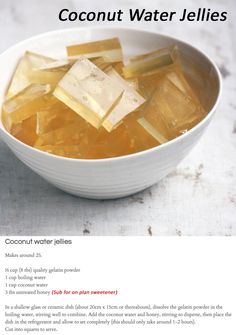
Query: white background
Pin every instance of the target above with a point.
(198, 198)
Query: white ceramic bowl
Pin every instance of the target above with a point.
(113, 177)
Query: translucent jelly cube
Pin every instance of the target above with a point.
(101, 63)
(73, 134)
(150, 119)
(133, 82)
(129, 102)
(187, 110)
(176, 76)
(116, 143)
(141, 139)
(110, 50)
(49, 74)
(35, 68)
(151, 130)
(88, 91)
(177, 111)
(148, 83)
(55, 115)
(26, 130)
(26, 103)
(53, 65)
(20, 78)
(104, 66)
(146, 64)
(127, 138)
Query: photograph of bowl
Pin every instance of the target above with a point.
(115, 177)
(117, 127)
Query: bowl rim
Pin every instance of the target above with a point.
(140, 153)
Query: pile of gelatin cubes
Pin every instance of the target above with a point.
(93, 106)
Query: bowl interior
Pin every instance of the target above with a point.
(199, 70)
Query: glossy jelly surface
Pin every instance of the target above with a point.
(93, 105)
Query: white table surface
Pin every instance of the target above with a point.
(198, 198)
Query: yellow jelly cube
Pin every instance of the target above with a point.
(151, 130)
(88, 91)
(49, 74)
(26, 130)
(171, 111)
(72, 134)
(105, 66)
(150, 119)
(141, 139)
(178, 109)
(35, 68)
(148, 63)
(113, 144)
(20, 78)
(176, 76)
(26, 103)
(54, 65)
(110, 50)
(55, 115)
(129, 102)
(148, 83)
